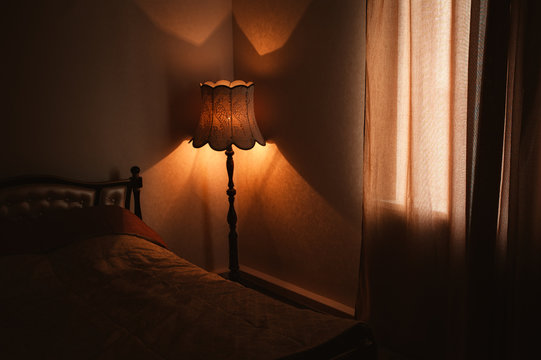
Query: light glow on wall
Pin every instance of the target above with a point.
(268, 24)
(189, 185)
(191, 20)
(273, 202)
(283, 221)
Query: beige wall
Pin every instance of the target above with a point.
(96, 86)
(299, 200)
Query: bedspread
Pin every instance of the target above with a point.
(121, 296)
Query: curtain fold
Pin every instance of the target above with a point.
(519, 229)
(486, 118)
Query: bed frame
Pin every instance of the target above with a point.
(31, 196)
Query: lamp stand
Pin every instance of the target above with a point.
(232, 219)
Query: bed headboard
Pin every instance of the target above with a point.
(31, 196)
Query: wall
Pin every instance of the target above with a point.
(96, 86)
(299, 199)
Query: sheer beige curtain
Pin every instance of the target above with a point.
(451, 258)
(415, 173)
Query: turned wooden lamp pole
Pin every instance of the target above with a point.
(227, 118)
(232, 218)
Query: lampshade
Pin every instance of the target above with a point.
(227, 116)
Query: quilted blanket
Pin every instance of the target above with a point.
(121, 296)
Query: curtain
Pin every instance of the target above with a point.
(519, 227)
(415, 173)
(451, 237)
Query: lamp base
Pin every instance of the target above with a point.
(231, 275)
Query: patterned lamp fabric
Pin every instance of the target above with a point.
(227, 116)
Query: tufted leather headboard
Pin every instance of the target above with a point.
(31, 196)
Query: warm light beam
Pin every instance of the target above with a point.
(268, 24)
(191, 20)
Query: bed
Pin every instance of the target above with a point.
(83, 277)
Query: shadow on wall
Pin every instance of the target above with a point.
(96, 86)
(309, 96)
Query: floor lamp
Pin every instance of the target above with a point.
(227, 119)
